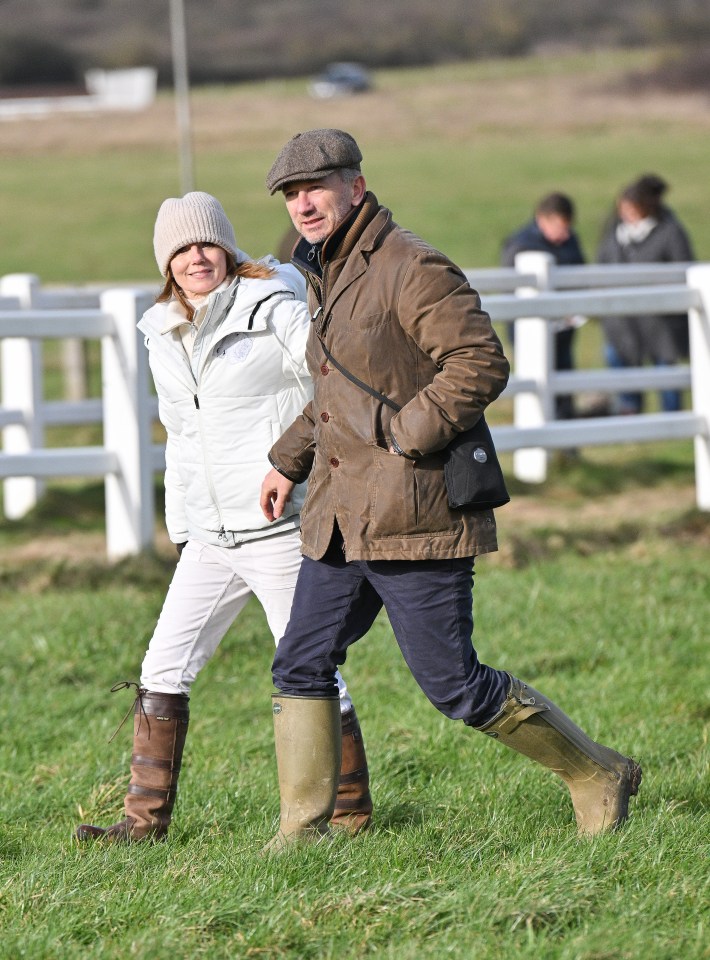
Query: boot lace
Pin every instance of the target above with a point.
(126, 685)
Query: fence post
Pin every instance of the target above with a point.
(533, 352)
(130, 506)
(698, 278)
(21, 376)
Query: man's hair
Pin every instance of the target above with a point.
(557, 204)
(349, 174)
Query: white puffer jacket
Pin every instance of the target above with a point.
(247, 383)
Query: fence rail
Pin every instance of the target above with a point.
(532, 296)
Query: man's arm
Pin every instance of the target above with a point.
(293, 452)
(443, 315)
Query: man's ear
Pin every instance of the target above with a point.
(359, 189)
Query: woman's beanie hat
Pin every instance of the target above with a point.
(195, 218)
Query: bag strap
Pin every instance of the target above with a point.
(359, 383)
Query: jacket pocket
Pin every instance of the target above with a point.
(391, 494)
(407, 497)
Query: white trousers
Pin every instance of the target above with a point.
(210, 587)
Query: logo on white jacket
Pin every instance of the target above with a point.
(235, 348)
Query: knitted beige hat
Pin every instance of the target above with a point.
(195, 218)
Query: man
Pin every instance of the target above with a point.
(551, 231)
(376, 528)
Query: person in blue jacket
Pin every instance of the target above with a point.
(551, 230)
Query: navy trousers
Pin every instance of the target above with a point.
(430, 607)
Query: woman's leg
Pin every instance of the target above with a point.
(203, 600)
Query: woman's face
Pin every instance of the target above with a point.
(629, 212)
(199, 268)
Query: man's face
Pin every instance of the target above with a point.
(554, 228)
(318, 207)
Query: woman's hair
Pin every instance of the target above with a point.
(247, 268)
(646, 194)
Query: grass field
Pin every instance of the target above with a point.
(460, 153)
(474, 850)
(598, 596)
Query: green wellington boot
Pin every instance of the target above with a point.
(600, 780)
(307, 732)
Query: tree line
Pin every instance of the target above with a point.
(43, 44)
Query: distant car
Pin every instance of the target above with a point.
(340, 79)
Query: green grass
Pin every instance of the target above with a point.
(473, 849)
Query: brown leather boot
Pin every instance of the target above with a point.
(600, 781)
(160, 728)
(353, 804)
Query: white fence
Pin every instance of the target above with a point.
(533, 295)
(553, 293)
(127, 459)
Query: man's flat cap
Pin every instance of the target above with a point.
(312, 155)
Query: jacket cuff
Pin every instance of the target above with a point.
(282, 472)
(397, 449)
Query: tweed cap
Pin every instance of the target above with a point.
(195, 218)
(311, 155)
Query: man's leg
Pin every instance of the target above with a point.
(430, 607)
(270, 566)
(333, 606)
(564, 360)
(440, 654)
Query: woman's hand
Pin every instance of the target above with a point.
(275, 494)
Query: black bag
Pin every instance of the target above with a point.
(472, 473)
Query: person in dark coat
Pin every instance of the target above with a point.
(552, 231)
(644, 230)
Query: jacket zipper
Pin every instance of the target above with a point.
(221, 535)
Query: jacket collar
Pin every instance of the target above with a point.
(347, 253)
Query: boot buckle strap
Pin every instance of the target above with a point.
(513, 720)
(166, 795)
(157, 762)
(355, 776)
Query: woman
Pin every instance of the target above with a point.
(226, 341)
(644, 230)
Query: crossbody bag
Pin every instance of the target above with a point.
(472, 472)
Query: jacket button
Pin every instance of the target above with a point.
(325, 417)
(334, 462)
(324, 370)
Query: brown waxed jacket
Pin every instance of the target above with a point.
(402, 318)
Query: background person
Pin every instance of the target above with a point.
(552, 231)
(377, 529)
(226, 343)
(644, 230)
